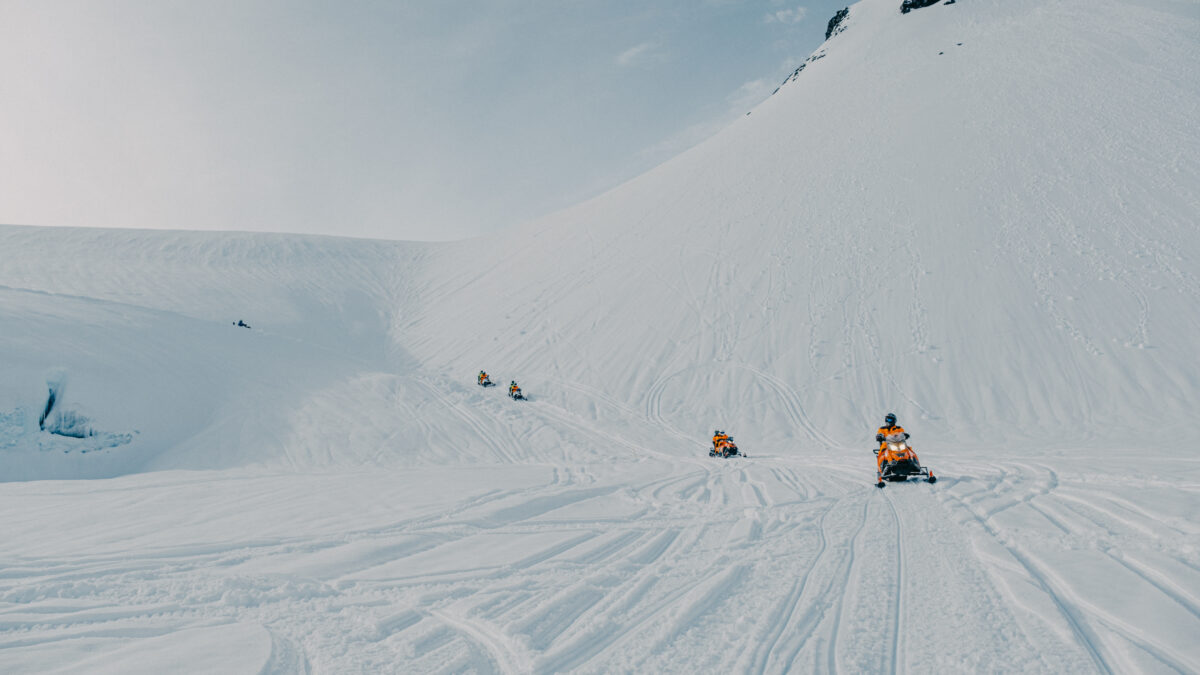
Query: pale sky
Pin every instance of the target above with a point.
(412, 119)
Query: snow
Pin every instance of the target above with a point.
(997, 242)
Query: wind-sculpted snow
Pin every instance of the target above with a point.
(980, 217)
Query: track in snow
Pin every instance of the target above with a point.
(654, 561)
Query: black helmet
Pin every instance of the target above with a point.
(890, 419)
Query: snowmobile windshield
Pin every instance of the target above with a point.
(895, 438)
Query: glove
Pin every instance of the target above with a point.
(878, 438)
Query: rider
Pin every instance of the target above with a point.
(482, 377)
(889, 428)
(513, 389)
(719, 436)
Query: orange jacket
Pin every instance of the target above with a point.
(888, 431)
(718, 438)
(482, 377)
(513, 388)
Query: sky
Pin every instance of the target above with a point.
(417, 119)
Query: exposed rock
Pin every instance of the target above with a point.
(795, 73)
(835, 24)
(909, 5)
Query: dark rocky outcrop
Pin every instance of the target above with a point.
(909, 5)
(835, 24)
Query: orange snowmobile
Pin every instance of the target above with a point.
(723, 445)
(895, 461)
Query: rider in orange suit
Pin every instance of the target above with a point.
(890, 428)
(718, 437)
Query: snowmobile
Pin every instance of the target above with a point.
(515, 394)
(899, 462)
(486, 382)
(724, 448)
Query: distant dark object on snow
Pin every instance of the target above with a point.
(909, 5)
(835, 24)
(241, 324)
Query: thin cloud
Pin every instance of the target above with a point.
(737, 104)
(638, 54)
(788, 15)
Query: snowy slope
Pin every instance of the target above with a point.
(1003, 234)
(142, 328)
(997, 242)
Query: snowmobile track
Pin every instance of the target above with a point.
(1085, 635)
(898, 595)
(782, 618)
(832, 650)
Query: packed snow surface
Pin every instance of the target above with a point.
(981, 216)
